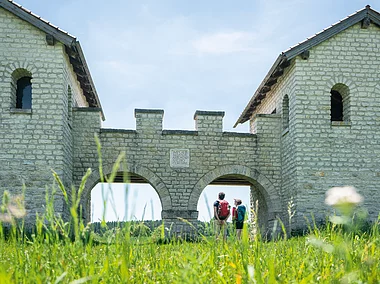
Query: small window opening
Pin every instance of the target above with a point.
(336, 106)
(24, 93)
(69, 104)
(285, 112)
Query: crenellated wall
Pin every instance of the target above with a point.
(180, 164)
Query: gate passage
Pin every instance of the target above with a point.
(179, 164)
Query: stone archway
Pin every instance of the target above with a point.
(144, 172)
(266, 190)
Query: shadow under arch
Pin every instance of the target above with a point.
(144, 172)
(258, 180)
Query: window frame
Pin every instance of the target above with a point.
(285, 114)
(17, 75)
(344, 92)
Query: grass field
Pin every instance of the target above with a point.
(326, 256)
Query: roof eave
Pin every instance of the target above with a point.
(280, 61)
(95, 102)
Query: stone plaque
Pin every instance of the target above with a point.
(179, 158)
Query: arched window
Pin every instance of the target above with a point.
(340, 103)
(285, 112)
(24, 93)
(21, 89)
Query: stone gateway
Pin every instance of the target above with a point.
(314, 124)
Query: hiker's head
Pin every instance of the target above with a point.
(221, 195)
(238, 201)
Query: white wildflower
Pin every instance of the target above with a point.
(344, 194)
(343, 198)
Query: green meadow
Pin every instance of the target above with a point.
(323, 256)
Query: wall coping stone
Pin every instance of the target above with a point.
(87, 109)
(114, 130)
(267, 115)
(156, 111)
(238, 134)
(180, 132)
(210, 113)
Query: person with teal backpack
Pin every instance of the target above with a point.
(238, 217)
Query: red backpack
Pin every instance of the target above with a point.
(223, 209)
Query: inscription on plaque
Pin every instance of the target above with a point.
(179, 158)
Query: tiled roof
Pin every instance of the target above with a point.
(40, 18)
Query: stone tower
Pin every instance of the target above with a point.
(43, 76)
(326, 92)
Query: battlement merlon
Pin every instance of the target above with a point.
(209, 121)
(87, 118)
(266, 124)
(149, 120)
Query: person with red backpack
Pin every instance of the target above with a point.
(221, 214)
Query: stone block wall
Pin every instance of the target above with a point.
(72, 96)
(280, 137)
(269, 150)
(339, 153)
(35, 141)
(86, 124)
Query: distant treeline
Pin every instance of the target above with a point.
(98, 228)
(204, 228)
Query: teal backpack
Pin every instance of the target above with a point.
(241, 212)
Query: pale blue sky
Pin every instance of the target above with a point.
(142, 202)
(183, 56)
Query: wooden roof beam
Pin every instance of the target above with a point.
(271, 82)
(278, 72)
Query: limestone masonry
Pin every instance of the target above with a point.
(314, 123)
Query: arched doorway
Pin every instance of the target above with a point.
(125, 202)
(126, 189)
(210, 194)
(264, 199)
